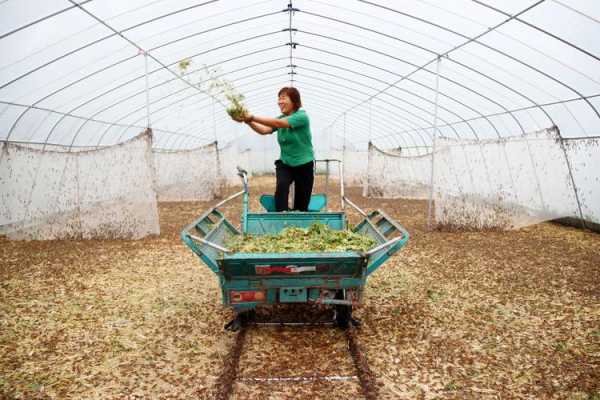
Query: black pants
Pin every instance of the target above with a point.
(303, 177)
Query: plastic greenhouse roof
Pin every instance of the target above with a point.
(97, 72)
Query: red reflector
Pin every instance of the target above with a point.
(241, 296)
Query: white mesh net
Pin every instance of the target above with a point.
(262, 161)
(187, 175)
(229, 159)
(391, 175)
(584, 156)
(106, 193)
(355, 162)
(502, 184)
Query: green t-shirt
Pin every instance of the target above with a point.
(295, 142)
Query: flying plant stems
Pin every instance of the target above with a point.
(219, 88)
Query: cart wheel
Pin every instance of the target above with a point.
(241, 319)
(343, 315)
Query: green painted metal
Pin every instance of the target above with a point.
(216, 232)
(381, 230)
(293, 295)
(297, 265)
(317, 202)
(289, 277)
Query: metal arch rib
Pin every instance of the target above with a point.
(173, 79)
(183, 38)
(537, 28)
(469, 40)
(245, 20)
(114, 104)
(434, 53)
(393, 105)
(54, 14)
(411, 93)
(401, 108)
(128, 58)
(166, 67)
(192, 96)
(406, 77)
(408, 91)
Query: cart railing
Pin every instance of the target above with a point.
(206, 235)
(392, 237)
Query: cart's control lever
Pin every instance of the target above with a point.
(241, 172)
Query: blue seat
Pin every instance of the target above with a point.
(317, 202)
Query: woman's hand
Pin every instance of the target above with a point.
(245, 117)
(238, 118)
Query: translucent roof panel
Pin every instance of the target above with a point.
(95, 73)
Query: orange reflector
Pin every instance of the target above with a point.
(241, 296)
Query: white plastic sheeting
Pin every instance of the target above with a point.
(106, 193)
(187, 175)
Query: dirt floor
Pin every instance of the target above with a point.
(453, 315)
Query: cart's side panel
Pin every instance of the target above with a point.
(218, 234)
(266, 266)
(382, 228)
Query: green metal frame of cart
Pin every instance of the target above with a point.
(248, 280)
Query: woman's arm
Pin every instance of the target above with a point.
(269, 122)
(259, 128)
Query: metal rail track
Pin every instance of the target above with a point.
(229, 375)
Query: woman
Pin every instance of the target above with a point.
(296, 163)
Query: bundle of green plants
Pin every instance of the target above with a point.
(316, 238)
(236, 108)
(208, 80)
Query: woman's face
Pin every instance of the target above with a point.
(285, 104)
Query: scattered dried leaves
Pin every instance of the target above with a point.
(453, 315)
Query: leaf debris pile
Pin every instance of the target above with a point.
(316, 238)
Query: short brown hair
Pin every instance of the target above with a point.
(293, 94)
